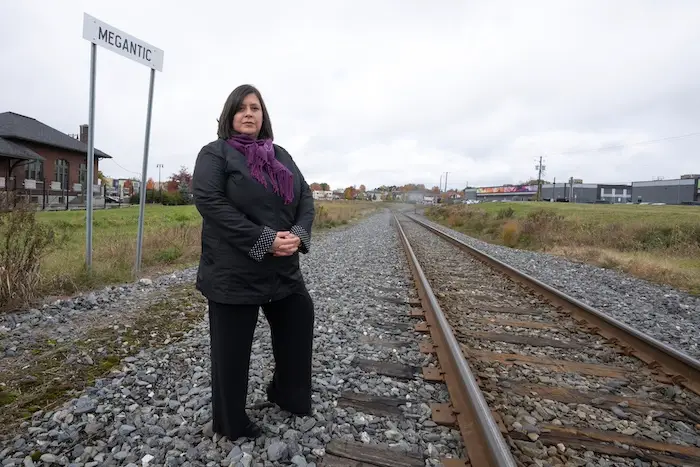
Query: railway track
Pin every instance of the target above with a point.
(538, 378)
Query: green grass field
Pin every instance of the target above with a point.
(602, 213)
(171, 241)
(657, 243)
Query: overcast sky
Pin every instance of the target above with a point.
(381, 91)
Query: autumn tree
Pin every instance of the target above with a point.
(362, 189)
(182, 177)
(171, 186)
(435, 189)
(413, 187)
(315, 187)
(150, 184)
(350, 193)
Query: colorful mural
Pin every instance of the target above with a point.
(500, 190)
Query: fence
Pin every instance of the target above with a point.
(50, 196)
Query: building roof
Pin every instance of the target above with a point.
(20, 128)
(15, 151)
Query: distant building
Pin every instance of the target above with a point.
(322, 194)
(587, 192)
(677, 191)
(374, 195)
(502, 193)
(574, 193)
(43, 164)
(125, 187)
(415, 196)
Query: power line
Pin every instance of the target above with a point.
(121, 167)
(621, 146)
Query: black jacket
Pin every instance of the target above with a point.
(240, 220)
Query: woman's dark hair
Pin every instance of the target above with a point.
(233, 103)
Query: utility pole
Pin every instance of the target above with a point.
(446, 173)
(160, 186)
(540, 168)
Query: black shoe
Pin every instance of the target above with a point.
(251, 431)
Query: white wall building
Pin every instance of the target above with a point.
(322, 195)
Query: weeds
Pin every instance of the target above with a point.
(52, 372)
(662, 245)
(24, 242)
(511, 233)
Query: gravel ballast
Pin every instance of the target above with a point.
(154, 408)
(671, 316)
(492, 315)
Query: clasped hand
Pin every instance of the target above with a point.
(285, 244)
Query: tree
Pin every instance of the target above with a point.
(435, 189)
(150, 184)
(412, 187)
(315, 187)
(102, 177)
(184, 191)
(350, 193)
(171, 186)
(362, 189)
(182, 177)
(325, 187)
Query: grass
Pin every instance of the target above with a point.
(171, 241)
(657, 243)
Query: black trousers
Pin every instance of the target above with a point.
(231, 331)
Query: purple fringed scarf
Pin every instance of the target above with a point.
(260, 156)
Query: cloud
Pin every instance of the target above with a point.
(385, 92)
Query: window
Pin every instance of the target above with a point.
(82, 175)
(34, 171)
(62, 173)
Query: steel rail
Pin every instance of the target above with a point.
(483, 440)
(681, 368)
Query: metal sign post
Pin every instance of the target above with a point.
(111, 38)
(90, 159)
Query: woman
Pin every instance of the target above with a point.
(257, 213)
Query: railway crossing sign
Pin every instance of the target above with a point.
(126, 45)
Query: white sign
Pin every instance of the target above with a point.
(30, 184)
(124, 44)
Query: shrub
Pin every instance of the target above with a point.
(169, 199)
(23, 244)
(510, 233)
(505, 213)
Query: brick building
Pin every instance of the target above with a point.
(48, 166)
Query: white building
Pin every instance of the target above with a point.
(322, 195)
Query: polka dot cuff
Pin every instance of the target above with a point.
(303, 235)
(263, 244)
